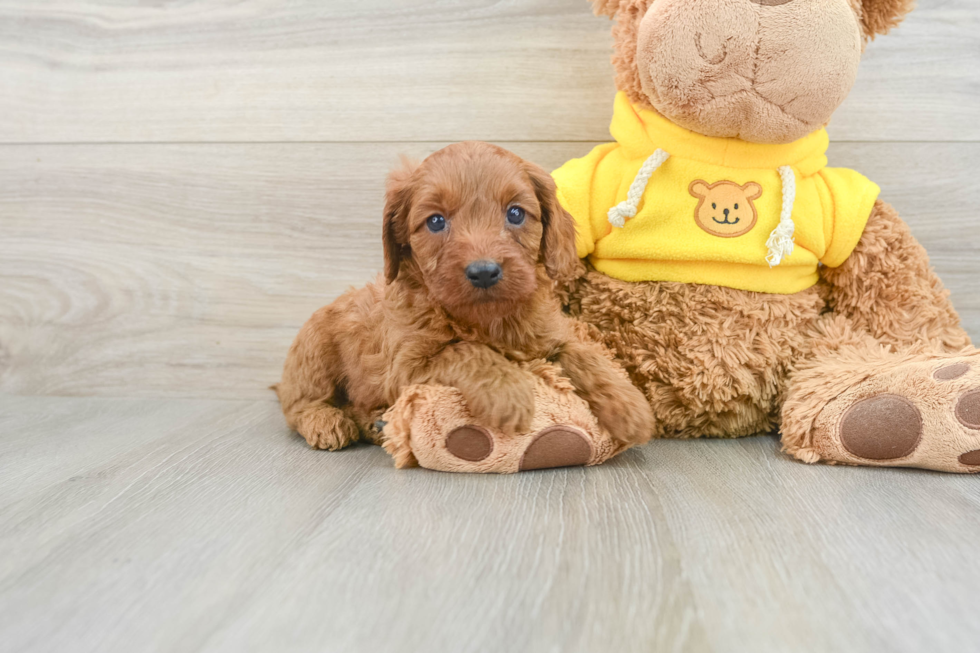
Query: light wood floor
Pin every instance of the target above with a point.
(202, 525)
(183, 183)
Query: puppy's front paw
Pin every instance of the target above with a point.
(625, 413)
(326, 427)
(506, 404)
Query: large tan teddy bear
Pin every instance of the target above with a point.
(743, 284)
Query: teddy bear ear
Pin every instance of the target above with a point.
(753, 191)
(607, 7)
(698, 188)
(880, 16)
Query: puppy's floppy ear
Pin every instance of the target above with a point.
(558, 240)
(879, 16)
(398, 202)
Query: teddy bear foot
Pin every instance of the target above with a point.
(562, 445)
(923, 413)
(431, 427)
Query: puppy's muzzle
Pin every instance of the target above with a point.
(484, 274)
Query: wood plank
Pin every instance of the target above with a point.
(784, 556)
(413, 70)
(192, 514)
(77, 435)
(229, 535)
(186, 270)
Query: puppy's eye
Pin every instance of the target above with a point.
(736, 207)
(516, 216)
(436, 223)
(714, 206)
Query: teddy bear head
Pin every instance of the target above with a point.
(765, 71)
(726, 209)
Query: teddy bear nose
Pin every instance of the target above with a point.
(483, 274)
(771, 3)
(726, 213)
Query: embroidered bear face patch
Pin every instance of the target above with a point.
(726, 209)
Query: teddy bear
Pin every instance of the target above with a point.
(744, 285)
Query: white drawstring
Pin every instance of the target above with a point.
(624, 210)
(780, 241)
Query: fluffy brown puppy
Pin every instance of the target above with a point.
(474, 239)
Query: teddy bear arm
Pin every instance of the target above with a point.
(887, 288)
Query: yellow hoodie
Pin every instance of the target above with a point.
(666, 204)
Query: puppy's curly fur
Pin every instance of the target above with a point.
(427, 322)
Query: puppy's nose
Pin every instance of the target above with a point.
(726, 213)
(484, 274)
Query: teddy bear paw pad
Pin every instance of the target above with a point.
(951, 372)
(971, 458)
(557, 446)
(471, 443)
(885, 427)
(968, 410)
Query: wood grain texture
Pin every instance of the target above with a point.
(202, 525)
(186, 270)
(411, 70)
